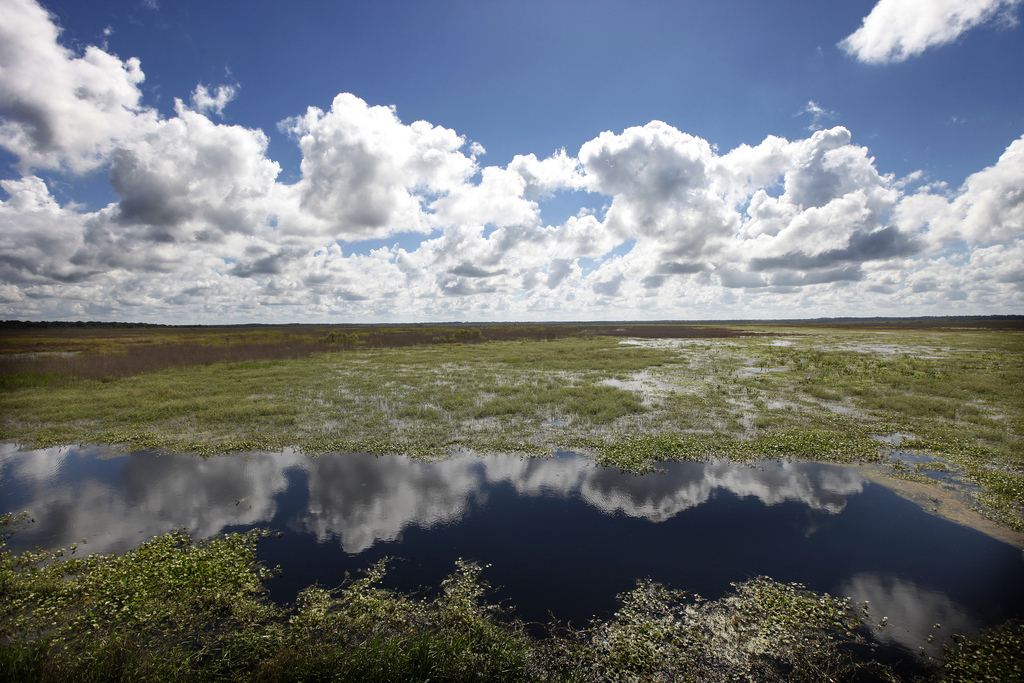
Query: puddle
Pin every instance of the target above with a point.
(34, 355)
(922, 463)
(644, 384)
(748, 371)
(921, 353)
(674, 343)
(894, 439)
(562, 535)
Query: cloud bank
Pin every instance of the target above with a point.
(898, 29)
(391, 220)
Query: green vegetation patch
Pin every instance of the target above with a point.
(809, 392)
(763, 630)
(176, 608)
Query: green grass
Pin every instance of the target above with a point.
(807, 392)
(176, 608)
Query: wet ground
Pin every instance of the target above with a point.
(562, 535)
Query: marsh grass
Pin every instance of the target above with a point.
(51, 353)
(177, 608)
(808, 392)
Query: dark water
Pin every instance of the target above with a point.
(563, 536)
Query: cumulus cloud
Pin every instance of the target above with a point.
(204, 228)
(205, 101)
(37, 237)
(898, 29)
(188, 178)
(365, 173)
(989, 208)
(58, 109)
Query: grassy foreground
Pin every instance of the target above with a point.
(178, 609)
(949, 397)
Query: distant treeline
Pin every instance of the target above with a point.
(66, 325)
(941, 321)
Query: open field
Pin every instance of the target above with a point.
(930, 402)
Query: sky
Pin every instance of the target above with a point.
(209, 162)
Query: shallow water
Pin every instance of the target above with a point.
(562, 535)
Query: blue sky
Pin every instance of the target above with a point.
(353, 161)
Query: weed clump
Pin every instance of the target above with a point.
(347, 340)
(176, 608)
(995, 654)
(762, 631)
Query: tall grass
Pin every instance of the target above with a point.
(136, 360)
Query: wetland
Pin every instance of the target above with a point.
(587, 472)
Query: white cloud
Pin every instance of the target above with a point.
(206, 102)
(61, 110)
(898, 29)
(662, 188)
(204, 229)
(366, 174)
(189, 178)
(817, 114)
(992, 202)
(543, 177)
(37, 237)
(497, 199)
(989, 208)
(656, 163)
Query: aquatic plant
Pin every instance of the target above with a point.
(811, 391)
(995, 654)
(763, 630)
(176, 608)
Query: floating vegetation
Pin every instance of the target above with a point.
(763, 630)
(176, 608)
(629, 394)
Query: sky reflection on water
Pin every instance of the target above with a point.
(563, 535)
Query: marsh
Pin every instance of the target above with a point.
(564, 463)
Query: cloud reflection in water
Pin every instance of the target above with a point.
(358, 499)
(589, 531)
(912, 613)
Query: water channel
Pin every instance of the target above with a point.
(562, 535)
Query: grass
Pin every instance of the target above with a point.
(174, 608)
(66, 352)
(683, 392)
(179, 609)
(427, 397)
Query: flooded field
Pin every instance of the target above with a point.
(559, 536)
(767, 471)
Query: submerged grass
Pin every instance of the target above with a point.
(919, 402)
(176, 608)
(745, 392)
